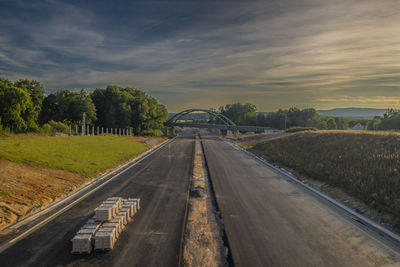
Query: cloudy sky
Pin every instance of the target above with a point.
(201, 53)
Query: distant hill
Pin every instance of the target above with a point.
(358, 113)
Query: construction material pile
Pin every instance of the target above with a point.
(102, 230)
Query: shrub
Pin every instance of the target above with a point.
(53, 127)
(151, 133)
(300, 129)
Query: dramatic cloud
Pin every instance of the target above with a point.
(304, 53)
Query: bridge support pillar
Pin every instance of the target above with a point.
(229, 133)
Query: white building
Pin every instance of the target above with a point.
(357, 127)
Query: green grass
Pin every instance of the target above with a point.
(85, 155)
(364, 164)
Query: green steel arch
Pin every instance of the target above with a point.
(217, 115)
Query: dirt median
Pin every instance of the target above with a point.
(203, 244)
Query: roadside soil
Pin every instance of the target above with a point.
(203, 244)
(26, 189)
(386, 219)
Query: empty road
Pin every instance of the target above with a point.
(153, 238)
(270, 221)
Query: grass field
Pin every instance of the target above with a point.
(85, 155)
(364, 164)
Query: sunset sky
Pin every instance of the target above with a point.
(201, 54)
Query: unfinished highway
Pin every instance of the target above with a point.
(153, 238)
(270, 221)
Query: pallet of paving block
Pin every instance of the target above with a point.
(128, 213)
(130, 200)
(131, 206)
(89, 225)
(125, 214)
(113, 225)
(123, 219)
(113, 205)
(86, 231)
(121, 225)
(104, 239)
(104, 213)
(82, 244)
(117, 200)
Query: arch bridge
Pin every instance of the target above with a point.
(226, 123)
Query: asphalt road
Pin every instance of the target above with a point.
(270, 221)
(153, 238)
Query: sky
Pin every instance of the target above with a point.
(201, 53)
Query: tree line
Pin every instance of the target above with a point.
(25, 108)
(246, 114)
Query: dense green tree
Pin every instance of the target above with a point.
(67, 106)
(341, 123)
(240, 114)
(373, 124)
(35, 91)
(16, 108)
(331, 124)
(128, 107)
(390, 120)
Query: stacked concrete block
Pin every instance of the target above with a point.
(132, 204)
(82, 243)
(122, 218)
(104, 240)
(131, 207)
(113, 225)
(120, 223)
(102, 230)
(125, 214)
(118, 199)
(104, 213)
(128, 213)
(87, 231)
(134, 200)
(91, 225)
(113, 206)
